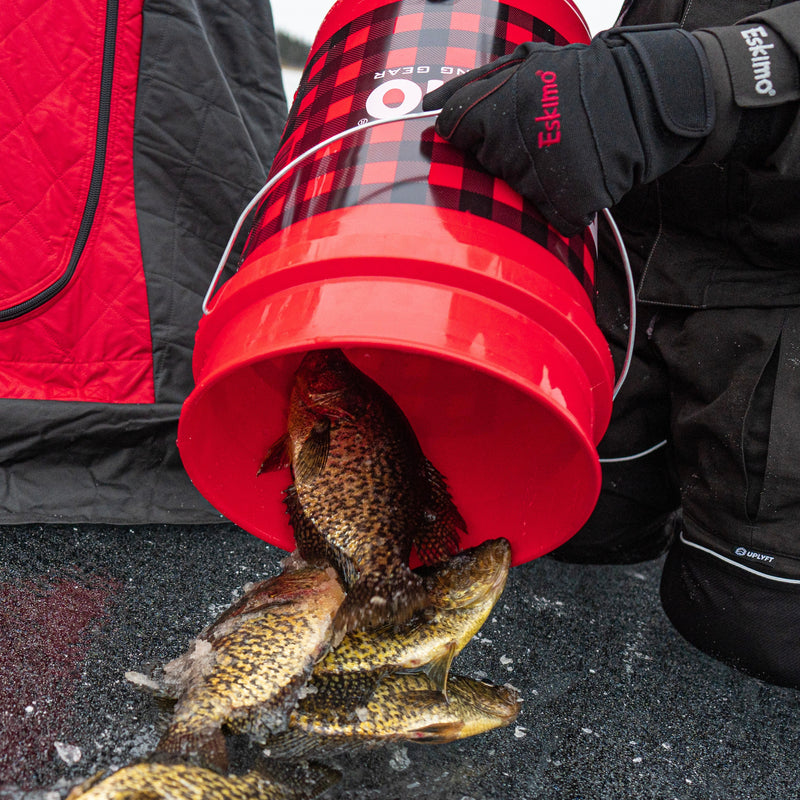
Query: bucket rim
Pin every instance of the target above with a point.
(525, 545)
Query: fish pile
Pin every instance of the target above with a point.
(363, 492)
(348, 646)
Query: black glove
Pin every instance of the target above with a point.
(574, 128)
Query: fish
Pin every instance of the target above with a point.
(462, 592)
(403, 707)
(148, 780)
(363, 492)
(244, 673)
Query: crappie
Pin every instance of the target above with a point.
(402, 707)
(151, 781)
(363, 493)
(462, 592)
(245, 671)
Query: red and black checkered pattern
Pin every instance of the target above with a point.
(404, 161)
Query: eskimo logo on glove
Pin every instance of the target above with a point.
(551, 133)
(757, 43)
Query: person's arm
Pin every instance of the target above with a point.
(756, 83)
(574, 128)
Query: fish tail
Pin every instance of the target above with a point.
(303, 780)
(204, 747)
(377, 599)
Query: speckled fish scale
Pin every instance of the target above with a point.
(462, 593)
(148, 781)
(259, 655)
(402, 707)
(363, 491)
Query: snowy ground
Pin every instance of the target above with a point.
(616, 704)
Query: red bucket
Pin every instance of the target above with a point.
(437, 280)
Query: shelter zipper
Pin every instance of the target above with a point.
(96, 182)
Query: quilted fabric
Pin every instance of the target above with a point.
(92, 340)
(92, 381)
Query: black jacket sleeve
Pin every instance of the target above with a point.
(756, 69)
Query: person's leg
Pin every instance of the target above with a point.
(731, 582)
(632, 520)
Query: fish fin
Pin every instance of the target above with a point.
(446, 730)
(250, 602)
(348, 571)
(377, 598)
(438, 535)
(205, 747)
(80, 789)
(299, 780)
(439, 668)
(165, 704)
(164, 699)
(163, 720)
(258, 597)
(313, 454)
(438, 732)
(311, 544)
(329, 404)
(277, 456)
(299, 744)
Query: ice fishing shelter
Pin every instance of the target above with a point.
(132, 132)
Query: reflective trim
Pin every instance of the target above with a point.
(737, 564)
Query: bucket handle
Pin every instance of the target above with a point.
(371, 124)
(281, 173)
(626, 364)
